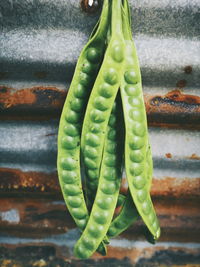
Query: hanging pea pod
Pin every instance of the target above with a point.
(68, 162)
(107, 62)
(108, 189)
(128, 213)
(136, 140)
(100, 103)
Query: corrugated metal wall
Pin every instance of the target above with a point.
(40, 41)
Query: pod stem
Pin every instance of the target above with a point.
(116, 22)
(103, 18)
(126, 20)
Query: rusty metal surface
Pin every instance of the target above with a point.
(14, 181)
(42, 217)
(174, 107)
(39, 45)
(30, 160)
(167, 255)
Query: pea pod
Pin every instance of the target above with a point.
(107, 192)
(149, 166)
(112, 47)
(128, 214)
(68, 162)
(136, 139)
(100, 103)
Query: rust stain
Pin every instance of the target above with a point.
(149, 254)
(90, 9)
(188, 69)
(179, 207)
(177, 95)
(181, 83)
(174, 187)
(20, 97)
(35, 96)
(40, 217)
(194, 156)
(170, 232)
(121, 253)
(37, 217)
(173, 108)
(189, 125)
(168, 155)
(42, 254)
(30, 117)
(175, 99)
(14, 180)
(17, 180)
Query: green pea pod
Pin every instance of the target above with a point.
(68, 160)
(100, 103)
(136, 140)
(129, 214)
(127, 18)
(107, 192)
(149, 166)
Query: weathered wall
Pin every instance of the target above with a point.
(40, 41)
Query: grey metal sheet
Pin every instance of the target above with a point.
(48, 36)
(40, 41)
(32, 146)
